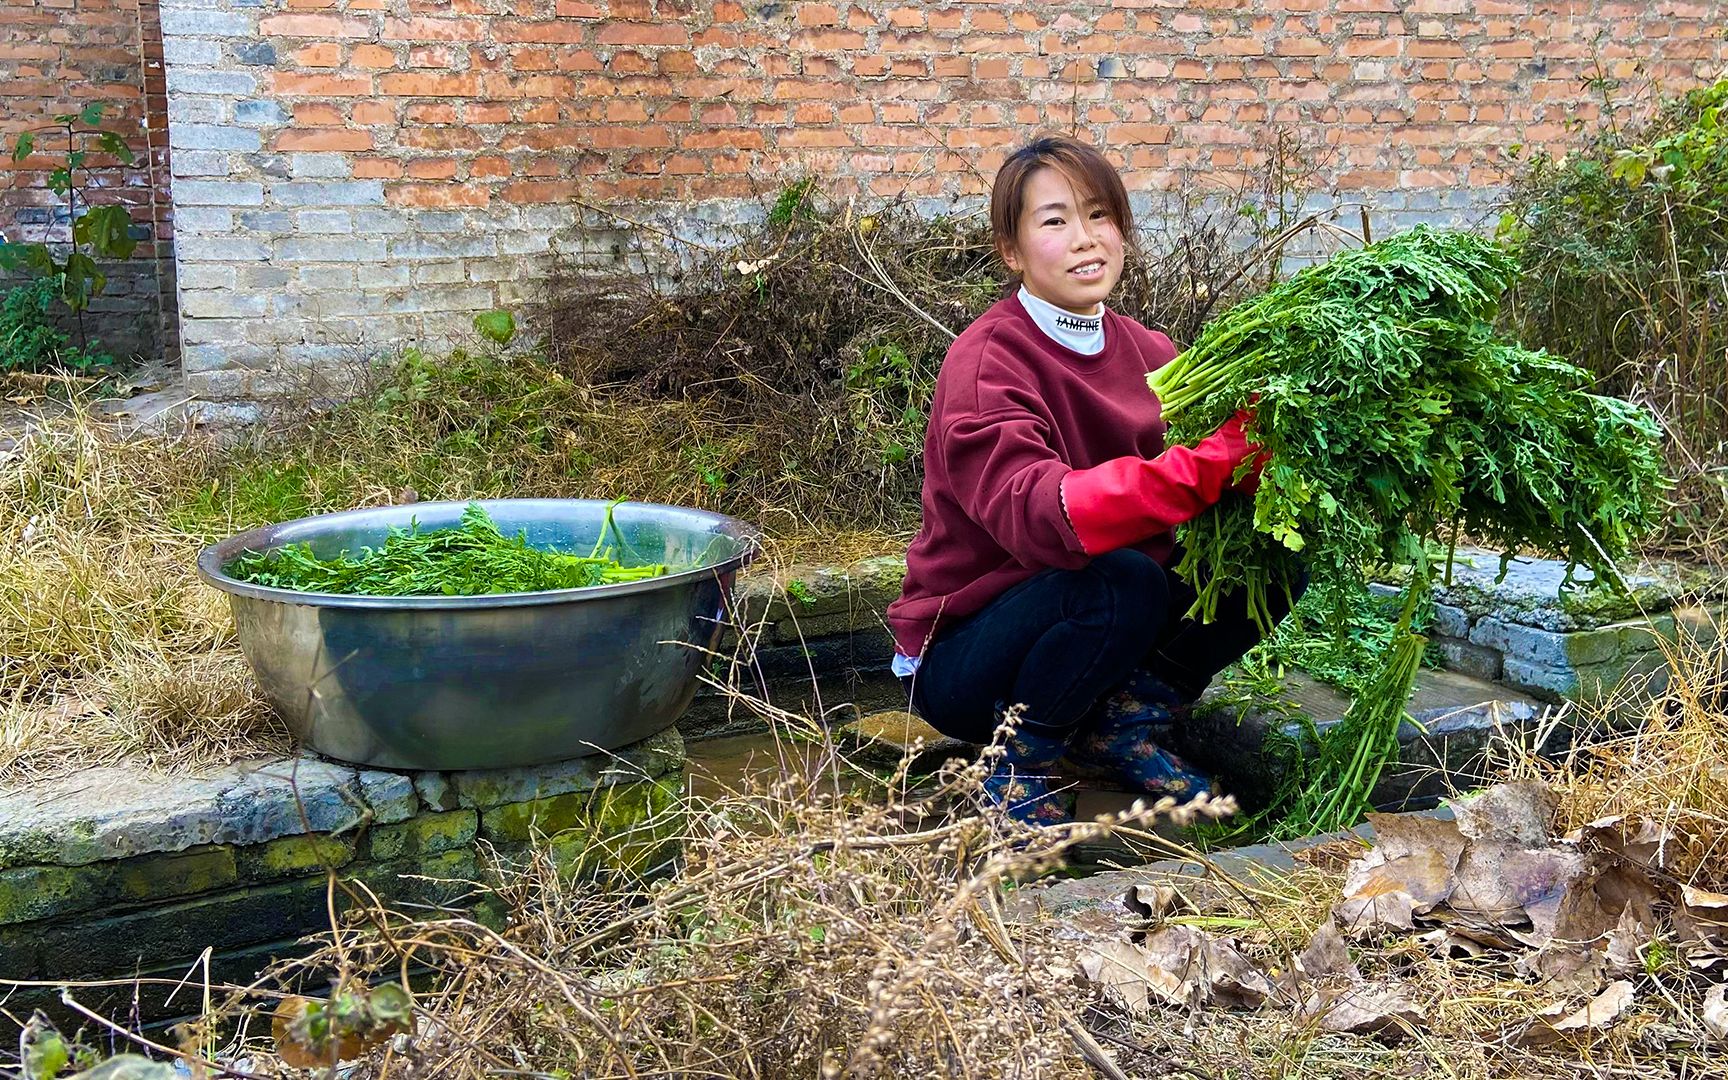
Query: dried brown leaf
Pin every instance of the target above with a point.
(1127, 973)
(1407, 834)
(1409, 872)
(1571, 969)
(1448, 945)
(1702, 917)
(1627, 940)
(1472, 927)
(1705, 905)
(1715, 1011)
(1181, 965)
(1649, 844)
(1155, 902)
(1518, 814)
(1382, 1007)
(1511, 886)
(1598, 1014)
(1326, 957)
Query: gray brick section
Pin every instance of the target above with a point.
(322, 278)
(1544, 647)
(213, 332)
(319, 165)
(313, 193)
(524, 243)
(224, 249)
(324, 221)
(201, 163)
(258, 54)
(215, 24)
(345, 250)
(260, 113)
(381, 222)
(450, 221)
(212, 137)
(192, 52)
(380, 277)
(442, 247)
(332, 305)
(445, 299)
(264, 277)
(1474, 660)
(199, 358)
(196, 111)
(266, 221)
(439, 273)
(184, 80)
(206, 276)
(510, 270)
(1451, 621)
(221, 304)
(217, 193)
(320, 356)
(190, 220)
(1550, 682)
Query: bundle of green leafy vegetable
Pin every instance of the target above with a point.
(1391, 415)
(474, 559)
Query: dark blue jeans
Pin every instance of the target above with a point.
(1062, 639)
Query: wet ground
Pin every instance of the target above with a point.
(731, 762)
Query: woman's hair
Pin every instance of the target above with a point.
(1084, 167)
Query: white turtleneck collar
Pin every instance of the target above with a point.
(1082, 333)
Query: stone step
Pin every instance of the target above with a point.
(1460, 720)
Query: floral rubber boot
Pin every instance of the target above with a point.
(1020, 783)
(1119, 740)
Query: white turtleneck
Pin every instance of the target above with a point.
(1082, 333)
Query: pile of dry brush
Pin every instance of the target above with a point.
(812, 342)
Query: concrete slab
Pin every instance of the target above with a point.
(1458, 718)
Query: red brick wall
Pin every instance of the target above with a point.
(354, 174)
(453, 105)
(56, 56)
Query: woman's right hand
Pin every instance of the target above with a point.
(1129, 499)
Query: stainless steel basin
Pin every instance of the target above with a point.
(469, 682)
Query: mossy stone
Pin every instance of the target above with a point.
(427, 834)
(293, 856)
(185, 874)
(28, 893)
(633, 830)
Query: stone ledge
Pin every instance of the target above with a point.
(1531, 594)
(117, 813)
(803, 603)
(828, 618)
(219, 864)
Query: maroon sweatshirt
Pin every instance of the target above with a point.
(1014, 414)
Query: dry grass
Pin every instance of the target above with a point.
(111, 648)
(1672, 765)
(815, 928)
(808, 929)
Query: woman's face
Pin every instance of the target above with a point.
(1067, 250)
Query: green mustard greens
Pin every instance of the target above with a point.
(474, 559)
(1391, 416)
